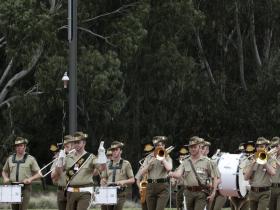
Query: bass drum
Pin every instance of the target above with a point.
(232, 178)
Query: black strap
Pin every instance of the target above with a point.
(18, 162)
(114, 168)
(75, 168)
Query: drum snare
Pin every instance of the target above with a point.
(10, 194)
(105, 195)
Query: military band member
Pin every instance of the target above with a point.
(118, 173)
(274, 203)
(18, 168)
(180, 184)
(260, 178)
(142, 179)
(242, 203)
(219, 200)
(60, 180)
(196, 184)
(157, 173)
(79, 166)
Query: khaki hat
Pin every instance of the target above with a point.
(158, 139)
(195, 140)
(275, 141)
(67, 139)
(116, 144)
(78, 136)
(206, 143)
(241, 147)
(261, 141)
(183, 151)
(20, 140)
(148, 147)
(109, 151)
(250, 147)
(54, 148)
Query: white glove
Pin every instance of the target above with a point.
(61, 154)
(61, 158)
(101, 157)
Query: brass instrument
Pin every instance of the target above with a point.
(184, 158)
(143, 188)
(161, 153)
(261, 156)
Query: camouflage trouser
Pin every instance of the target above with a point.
(196, 200)
(157, 195)
(61, 199)
(78, 200)
(274, 203)
(259, 200)
(26, 192)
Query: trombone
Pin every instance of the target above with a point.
(41, 170)
(159, 153)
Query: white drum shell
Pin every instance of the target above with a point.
(10, 194)
(105, 195)
(232, 178)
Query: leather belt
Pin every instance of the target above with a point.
(80, 189)
(164, 180)
(275, 185)
(194, 188)
(260, 189)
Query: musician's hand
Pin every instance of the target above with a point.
(120, 183)
(103, 182)
(211, 196)
(6, 180)
(27, 181)
(171, 174)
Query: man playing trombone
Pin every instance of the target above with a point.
(60, 180)
(259, 170)
(157, 165)
(79, 167)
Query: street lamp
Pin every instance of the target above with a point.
(65, 80)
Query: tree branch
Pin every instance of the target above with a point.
(6, 72)
(240, 47)
(253, 36)
(10, 84)
(203, 56)
(119, 10)
(97, 35)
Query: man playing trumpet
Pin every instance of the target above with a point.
(259, 171)
(157, 174)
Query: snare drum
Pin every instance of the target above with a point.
(105, 195)
(10, 194)
(232, 178)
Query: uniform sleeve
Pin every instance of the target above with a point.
(211, 169)
(137, 175)
(129, 171)
(216, 169)
(104, 174)
(6, 167)
(170, 161)
(34, 165)
(94, 162)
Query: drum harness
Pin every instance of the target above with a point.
(114, 168)
(18, 162)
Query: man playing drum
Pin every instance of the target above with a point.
(259, 174)
(274, 203)
(197, 170)
(118, 173)
(79, 166)
(18, 168)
